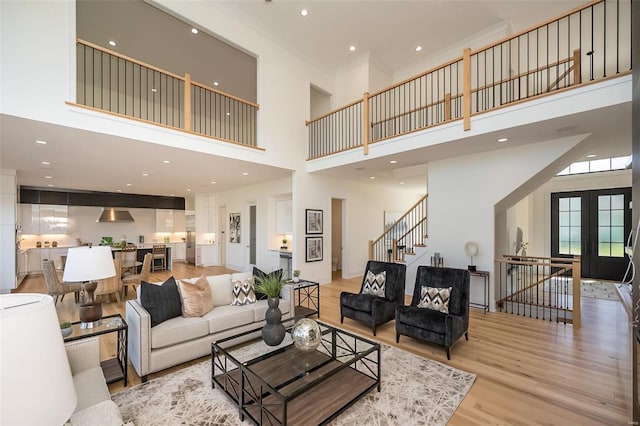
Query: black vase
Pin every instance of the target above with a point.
(273, 331)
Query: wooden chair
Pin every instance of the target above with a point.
(111, 285)
(133, 280)
(159, 253)
(55, 287)
(128, 258)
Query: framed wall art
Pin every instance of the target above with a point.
(313, 221)
(234, 227)
(313, 249)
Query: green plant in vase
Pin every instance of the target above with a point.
(65, 328)
(273, 331)
(296, 276)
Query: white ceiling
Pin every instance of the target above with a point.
(387, 30)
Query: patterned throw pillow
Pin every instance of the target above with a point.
(435, 298)
(243, 293)
(374, 284)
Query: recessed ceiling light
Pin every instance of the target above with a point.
(112, 43)
(48, 177)
(118, 190)
(591, 155)
(352, 48)
(213, 182)
(45, 163)
(372, 177)
(145, 174)
(401, 183)
(172, 195)
(215, 83)
(166, 161)
(503, 139)
(392, 162)
(188, 189)
(41, 142)
(228, 114)
(418, 48)
(128, 184)
(245, 174)
(154, 90)
(304, 12)
(50, 185)
(194, 30)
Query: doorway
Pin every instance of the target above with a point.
(222, 235)
(337, 216)
(593, 224)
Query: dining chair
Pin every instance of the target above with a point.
(159, 253)
(55, 287)
(129, 257)
(111, 285)
(133, 280)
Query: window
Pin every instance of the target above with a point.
(594, 166)
(570, 223)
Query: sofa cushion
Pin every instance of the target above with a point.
(220, 289)
(258, 273)
(227, 317)
(196, 297)
(105, 413)
(90, 387)
(243, 292)
(426, 319)
(358, 302)
(161, 301)
(178, 330)
(241, 276)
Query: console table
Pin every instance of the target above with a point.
(485, 293)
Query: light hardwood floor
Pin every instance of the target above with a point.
(528, 371)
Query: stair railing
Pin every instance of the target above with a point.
(402, 236)
(545, 288)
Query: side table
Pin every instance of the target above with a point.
(485, 293)
(306, 295)
(114, 369)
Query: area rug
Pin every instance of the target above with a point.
(592, 289)
(415, 391)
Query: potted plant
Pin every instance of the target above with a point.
(273, 331)
(296, 276)
(65, 328)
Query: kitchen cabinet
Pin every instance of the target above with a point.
(44, 219)
(179, 222)
(179, 251)
(34, 261)
(164, 220)
(22, 271)
(206, 255)
(284, 214)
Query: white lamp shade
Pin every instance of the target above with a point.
(36, 386)
(88, 264)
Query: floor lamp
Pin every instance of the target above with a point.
(36, 386)
(88, 264)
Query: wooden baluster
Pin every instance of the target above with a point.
(365, 123)
(466, 61)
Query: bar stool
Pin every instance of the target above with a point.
(159, 252)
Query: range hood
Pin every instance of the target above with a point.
(113, 215)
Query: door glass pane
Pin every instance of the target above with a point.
(611, 225)
(570, 225)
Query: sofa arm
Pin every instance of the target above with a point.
(138, 337)
(286, 296)
(83, 354)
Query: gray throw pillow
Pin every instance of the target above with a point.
(161, 301)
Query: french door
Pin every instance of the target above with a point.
(595, 225)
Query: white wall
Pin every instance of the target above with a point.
(8, 197)
(463, 193)
(351, 83)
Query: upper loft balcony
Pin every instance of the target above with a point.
(565, 60)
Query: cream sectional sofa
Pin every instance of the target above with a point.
(181, 339)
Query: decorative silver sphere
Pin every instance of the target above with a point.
(306, 335)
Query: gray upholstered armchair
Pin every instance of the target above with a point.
(376, 309)
(433, 325)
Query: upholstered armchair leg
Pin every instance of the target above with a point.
(466, 335)
(341, 319)
(143, 379)
(449, 354)
(397, 337)
(374, 329)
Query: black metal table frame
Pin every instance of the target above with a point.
(122, 350)
(307, 292)
(220, 358)
(485, 294)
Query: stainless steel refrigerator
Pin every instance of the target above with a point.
(191, 238)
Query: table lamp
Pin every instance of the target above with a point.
(88, 264)
(36, 386)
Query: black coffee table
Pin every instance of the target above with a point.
(284, 385)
